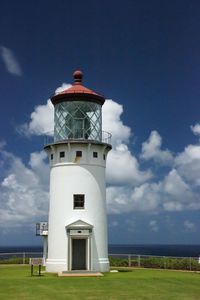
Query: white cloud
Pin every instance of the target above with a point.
(189, 226)
(146, 197)
(64, 86)
(174, 185)
(176, 194)
(123, 168)
(40, 167)
(125, 199)
(10, 61)
(111, 112)
(23, 191)
(151, 149)
(41, 122)
(131, 188)
(169, 194)
(126, 169)
(195, 129)
(188, 164)
(42, 118)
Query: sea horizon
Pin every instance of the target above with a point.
(117, 244)
(176, 250)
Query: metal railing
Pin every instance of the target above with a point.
(120, 260)
(18, 257)
(78, 134)
(157, 262)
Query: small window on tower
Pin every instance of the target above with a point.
(95, 154)
(79, 201)
(62, 154)
(104, 156)
(51, 156)
(78, 153)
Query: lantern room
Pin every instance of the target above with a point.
(78, 113)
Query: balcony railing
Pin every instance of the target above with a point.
(78, 135)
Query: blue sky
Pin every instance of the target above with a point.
(144, 57)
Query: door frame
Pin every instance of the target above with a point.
(80, 230)
(87, 251)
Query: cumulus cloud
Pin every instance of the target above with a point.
(111, 115)
(130, 188)
(23, 190)
(151, 149)
(188, 164)
(123, 168)
(125, 199)
(195, 129)
(169, 194)
(42, 118)
(126, 169)
(174, 185)
(10, 61)
(177, 194)
(64, 86)
(41, 122)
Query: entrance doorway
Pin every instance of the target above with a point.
(79, 254)
(79, 246)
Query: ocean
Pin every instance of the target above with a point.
(157, 250)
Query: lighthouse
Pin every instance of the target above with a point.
(77, 226)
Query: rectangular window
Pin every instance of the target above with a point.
(78, 153)
(95, 154)
(104, 156)
(51, 156)
(79, 201)
(62, 154)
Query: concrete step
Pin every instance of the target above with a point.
(79, 273)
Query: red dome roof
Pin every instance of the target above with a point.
(78, 92)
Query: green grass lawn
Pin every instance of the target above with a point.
(16, 283)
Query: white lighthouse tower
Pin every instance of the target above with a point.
(77, 236)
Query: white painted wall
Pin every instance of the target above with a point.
(69, 176)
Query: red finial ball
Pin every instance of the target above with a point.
(78, 75)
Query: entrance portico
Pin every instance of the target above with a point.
(79, 241)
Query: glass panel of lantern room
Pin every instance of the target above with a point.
(77, 120)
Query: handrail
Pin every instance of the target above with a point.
(79, 134)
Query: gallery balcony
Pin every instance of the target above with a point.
(77, 136)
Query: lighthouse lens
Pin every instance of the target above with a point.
(78, 120)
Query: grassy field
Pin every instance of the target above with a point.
(16, 283)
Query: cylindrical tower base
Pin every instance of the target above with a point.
(77, 214)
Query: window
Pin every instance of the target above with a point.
(104, 156)
(79, 201)
(62, 154)
(51, 156)
(78, 153)
(95, 154)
